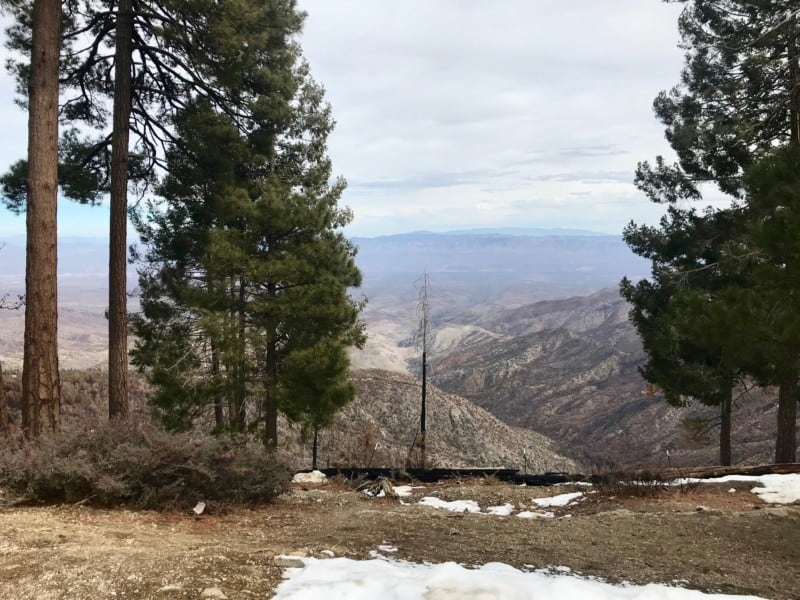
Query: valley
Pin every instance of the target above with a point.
(532, 357)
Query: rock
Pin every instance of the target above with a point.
(312, 477)
(199, 508)
(171, 587)
(213, 592)
(289, 562)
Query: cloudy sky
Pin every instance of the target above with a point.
(458, 114)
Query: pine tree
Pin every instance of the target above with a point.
(684, 314)
(186, 334)
(41, 388)
(247, 273)
(737, 100)
(165, 52)
(773, 255)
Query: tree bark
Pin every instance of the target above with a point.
(786, 440)
(118, 249)
(41, 388)
(219, 413)
(315, 448)
(239, 418)
(725, 428)
(270, 404)
(270, 394)
(794, 88)
(4, 421)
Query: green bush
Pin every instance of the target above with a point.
(140, 465)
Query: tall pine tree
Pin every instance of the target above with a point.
(772, 254)
(689, 326)
(147, 59)
(738, 99)
(41, 389)
(246, 270)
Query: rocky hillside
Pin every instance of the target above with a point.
(377, 429)
(380, 426)
(568, 369)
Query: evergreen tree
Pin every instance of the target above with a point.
(737, 100)
(247, 273)
(41, 388)
(684, 314)
(772, 253)
(151, 58)
(186, 334)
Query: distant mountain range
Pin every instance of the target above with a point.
(568, 369)
(521, 331)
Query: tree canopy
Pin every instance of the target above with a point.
(705, 315)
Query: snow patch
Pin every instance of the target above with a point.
(774, 488)
(397, 580)
(560, 500)
(500, 511)
(455, 506)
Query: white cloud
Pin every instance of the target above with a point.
(470, 113)
(466, 113)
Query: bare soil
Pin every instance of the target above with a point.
(707, 538)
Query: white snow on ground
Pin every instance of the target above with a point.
(404, 491)
(312, 477)
(500, 511)
(777, 489)
(388, 579)
(455, 506)
(339, 578)
(560, 500)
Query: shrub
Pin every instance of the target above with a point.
(140, 465)
(642, 484)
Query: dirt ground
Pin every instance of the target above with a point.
(708, 538)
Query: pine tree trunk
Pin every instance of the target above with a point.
(118, 248)
(794, 88)
(219, 414)
(786, 441)
(238, 370)
(239, 420)
(315, 448)
(41, 388)
(270, 406)
(725, 428)
(4, 421)
(270, 400)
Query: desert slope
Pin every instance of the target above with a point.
(459, 433)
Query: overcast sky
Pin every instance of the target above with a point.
(458, 114)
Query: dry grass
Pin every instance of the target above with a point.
(734, 543)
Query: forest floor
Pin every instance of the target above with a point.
(711, 537)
